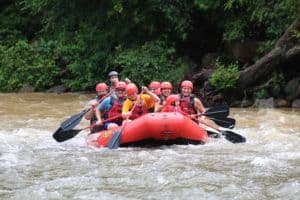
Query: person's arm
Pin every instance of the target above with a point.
(101, 107)
(126, 109)
(92, 104)
(199, 106)
(153, 96)
(158, 107)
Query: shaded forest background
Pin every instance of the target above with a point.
(233, 50)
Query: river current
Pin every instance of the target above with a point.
(34, 166)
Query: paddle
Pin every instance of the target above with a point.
(232, 136)
(229, 135)
(219, 115)
(61, 136)
(221, 111)
(115, 140)
(75, 119)
(225, 122)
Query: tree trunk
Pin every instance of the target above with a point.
(286, 48)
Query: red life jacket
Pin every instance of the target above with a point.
(139, 109)
(187, 104)
(116, 109)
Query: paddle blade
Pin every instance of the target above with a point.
(225, 122)
(233, 137)
(61, 135)
(217, 111)
(115, 140)
(73, 121)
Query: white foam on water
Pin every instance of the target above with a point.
(269, 162)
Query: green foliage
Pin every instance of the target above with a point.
(84, 58)
(151, 61)
(261, 94)
(236, 30)
(27, 64)
(224, 77)
(296, 34)
(83, 40)
(261, 19)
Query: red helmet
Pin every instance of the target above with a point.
(101, 87)
(121, 85)
(187, 83)
(172, 99)
(166, 85)
(131, 89)
(154, 85)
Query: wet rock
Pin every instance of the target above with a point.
(236, 104)
(291, 88)
(296, 103)
(26, 89)
(202, 76)
(282, 103)
(275, 91)
(264, 103)
(243, 104)
(217, 98)
(246, 103)
(57, 89)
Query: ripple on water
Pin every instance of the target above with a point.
(34, 166)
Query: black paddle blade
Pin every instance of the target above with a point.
(217, 111)
(73, 121)
(61, 135)
(115, 140)
(225, 122)
(233, 137)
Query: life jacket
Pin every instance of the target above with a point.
(162, 99)
(116, 109)
(139, 109)
(186, 104)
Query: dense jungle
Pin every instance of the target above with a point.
(240, 52)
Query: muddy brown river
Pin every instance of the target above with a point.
(34, 166)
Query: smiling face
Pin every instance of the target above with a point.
(186, 91)
(165, 91)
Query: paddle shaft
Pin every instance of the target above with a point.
(229, 135)
(103, 121)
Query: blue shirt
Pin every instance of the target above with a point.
(105, 105)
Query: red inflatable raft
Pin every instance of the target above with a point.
(153, 129)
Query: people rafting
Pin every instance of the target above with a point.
(136, 104)
(102, 91)
(166, 90)
(111, 108)
(189, 105)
